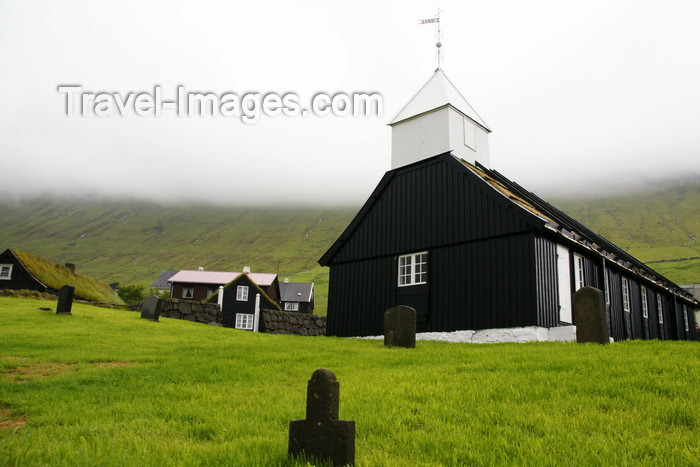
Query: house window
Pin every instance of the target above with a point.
(685, 318)
(291, 306)
(645, 305)
(578, 272)
(244, 321)
(660, 309)
(606, 280)
(242, 293)
(188, 292)
(5, 272)
(413, 269)
(625, 294)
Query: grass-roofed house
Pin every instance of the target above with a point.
(242, 301)
(470, 249)
(20, 270)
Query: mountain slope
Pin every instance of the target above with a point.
(133, 241)
(658, 225)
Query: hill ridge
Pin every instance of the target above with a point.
(132, 241)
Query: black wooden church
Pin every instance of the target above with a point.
(470, 249)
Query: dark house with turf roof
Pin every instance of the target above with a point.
(242, 301)
(469, 249)
(20, 270)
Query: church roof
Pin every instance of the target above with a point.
(560, 225)
(438, 92)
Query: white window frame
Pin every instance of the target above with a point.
(413, 269)
(8, 275)
(291, 306)
(242, 293)
(660, 308)
(578, 272)
(626, 294)
(685, 318)
(645, 304)
(244, 321)
(184, 292)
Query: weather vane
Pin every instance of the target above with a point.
(438, 44)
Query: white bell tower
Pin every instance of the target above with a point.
(436, 120)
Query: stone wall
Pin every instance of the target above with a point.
(285, 322)
(190, 310)
(271, 321)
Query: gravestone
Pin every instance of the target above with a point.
(400, 327)
(321, 435)
(65, 300)
(591, 320)
(151, 308)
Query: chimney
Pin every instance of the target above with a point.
(246, 270)
(71, 267)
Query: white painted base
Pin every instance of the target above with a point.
(489, 336)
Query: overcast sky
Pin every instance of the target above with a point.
(603, 91)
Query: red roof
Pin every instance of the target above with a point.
(220, 277)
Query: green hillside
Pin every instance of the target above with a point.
(658, 225)
(132, 241)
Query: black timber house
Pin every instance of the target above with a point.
(470, 249)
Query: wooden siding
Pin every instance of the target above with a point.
(435, 202)
(461, 293)
(546, 282)
(230, 306)
(20, 278)
(419, 138)
(358, 295)
(633, 325)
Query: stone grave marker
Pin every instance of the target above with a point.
(400, 327)
(591, 320)
(151, 308)
(321, 435)
(65, 300)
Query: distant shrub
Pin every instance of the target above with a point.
(161, 293)
(131, 293)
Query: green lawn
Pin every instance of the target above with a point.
(104, 387)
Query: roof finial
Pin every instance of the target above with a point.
(438, 44)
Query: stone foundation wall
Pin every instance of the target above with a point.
(271, 321)
(191, 310)
(285, 322)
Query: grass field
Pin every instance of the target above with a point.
(104, 387)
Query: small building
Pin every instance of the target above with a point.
(242, 301)
(297, 296)
(20, 270)
(469, 249)
(161, 283)
(199, 285)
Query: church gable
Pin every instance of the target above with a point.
(425, 205)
